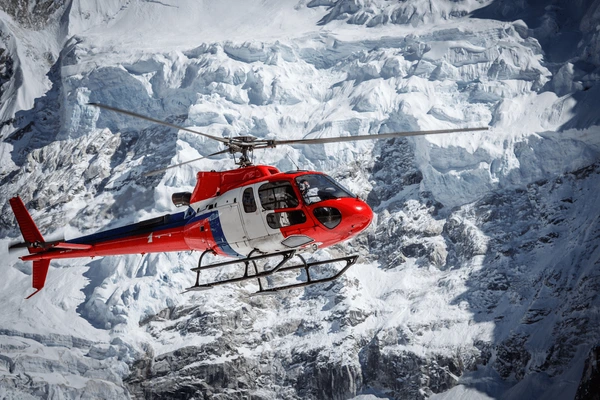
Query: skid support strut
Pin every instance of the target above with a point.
(280, 267)
(250, 259)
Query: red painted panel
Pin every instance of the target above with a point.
(208, 185)
(356, 217)
(211, 184)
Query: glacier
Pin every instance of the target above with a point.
(479, 277)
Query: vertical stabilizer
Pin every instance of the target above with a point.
(29, 230)
(33, 240)
(40, 270)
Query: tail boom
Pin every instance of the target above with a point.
(155, 242)
(161, 234)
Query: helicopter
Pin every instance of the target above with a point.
(248, 214)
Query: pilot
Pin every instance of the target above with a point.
(306, 191)
(304, 186)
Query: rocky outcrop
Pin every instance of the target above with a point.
(590, 381)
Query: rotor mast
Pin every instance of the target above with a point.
(245, 146)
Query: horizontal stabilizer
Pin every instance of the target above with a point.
(49, 245)
(71, 246)
(40, 270)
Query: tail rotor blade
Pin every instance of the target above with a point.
(14, 247)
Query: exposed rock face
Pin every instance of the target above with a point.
(590, 381)
(376, 12)
(34, 14)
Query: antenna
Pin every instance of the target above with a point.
(287, 154)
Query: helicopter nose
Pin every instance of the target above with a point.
(345, 217)
(365, 215)
(358, 216)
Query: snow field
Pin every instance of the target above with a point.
(446, 275)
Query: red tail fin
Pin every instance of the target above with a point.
(29, 230)
(34, 241)
(40, 270)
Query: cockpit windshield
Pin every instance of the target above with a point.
(317, 187)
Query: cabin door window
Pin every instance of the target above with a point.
(248, 201)
(277, 195)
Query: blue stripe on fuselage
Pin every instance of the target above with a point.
(168, 221)
(217, 232)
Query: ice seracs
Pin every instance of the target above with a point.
(481, 265)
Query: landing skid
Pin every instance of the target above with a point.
(280, 267)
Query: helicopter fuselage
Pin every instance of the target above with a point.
(251, 213)
(234, 213)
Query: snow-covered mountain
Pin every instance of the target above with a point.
(479, 278)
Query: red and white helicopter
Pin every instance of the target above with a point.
(251, 213)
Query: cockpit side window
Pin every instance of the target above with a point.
(248, 200)
(285, 218)
(317, 187)
(277, 195)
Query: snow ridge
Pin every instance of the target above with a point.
(479, 276)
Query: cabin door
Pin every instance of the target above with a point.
(252, 216)
(231, 224)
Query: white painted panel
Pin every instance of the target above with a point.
(231, 222)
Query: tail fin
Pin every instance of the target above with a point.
(40, 270)
(33, 240)
(31, 233)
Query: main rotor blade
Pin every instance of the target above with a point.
(158, 171)
(336, 139)
(157, 121)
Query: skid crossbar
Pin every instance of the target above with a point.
(350, 260)
(251, 259)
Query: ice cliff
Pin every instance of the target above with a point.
(479, 277)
